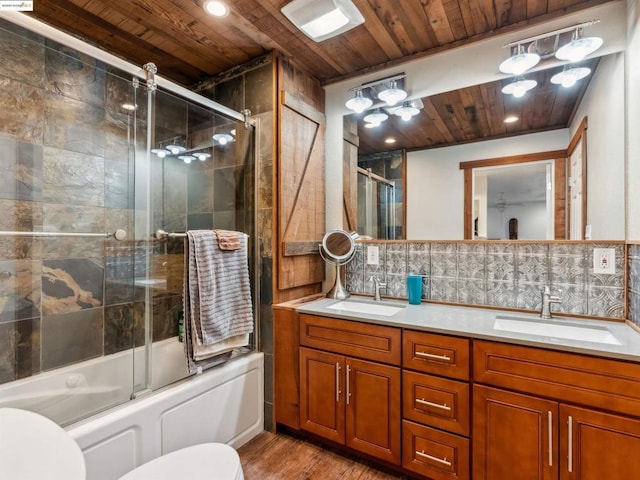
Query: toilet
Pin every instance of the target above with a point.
(205, 461)
(32, 447)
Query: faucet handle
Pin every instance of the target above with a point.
(374, 279)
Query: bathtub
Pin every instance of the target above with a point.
(223, 404)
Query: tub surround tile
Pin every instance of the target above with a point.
(200, 221)
(21, 111)
(74, 125)
(227, 189)
(200, 190)
(259, 88)
(21, 54)
(71, 337)
(73, 218)
(23, 217)
(118, 184)
(123, 327)
(73, 178)
(72, 284)
(19, 349)
(20, 170)
(20, 287)
(74, 74)
(165, 316)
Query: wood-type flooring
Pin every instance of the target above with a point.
(271, 456)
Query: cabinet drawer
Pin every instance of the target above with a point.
(434, 454)
(435, 401)
(612, 385)
(361, 340)
(437, 354)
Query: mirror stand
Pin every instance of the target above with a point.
(338, 291)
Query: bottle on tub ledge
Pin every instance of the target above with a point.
(180, 326)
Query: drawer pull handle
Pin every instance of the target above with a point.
(338, 382)
(446, 358)
(550, 428)
(430, 404)
(435, 459)
(570, 445)
(348, 383)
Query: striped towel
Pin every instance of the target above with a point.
(217, 292)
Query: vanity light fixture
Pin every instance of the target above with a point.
(215, 8)
(386, 90)
(323, 19)
(569, 76)
(187, 158)
(202, 156)
(519, 62)
(392, 94)
(406, 111)
(222, 138)
(579, 47)
(359, 103)
(376, 117)
(519, 87)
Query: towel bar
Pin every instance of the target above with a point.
(118, 234)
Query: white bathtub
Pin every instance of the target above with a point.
(224, 404)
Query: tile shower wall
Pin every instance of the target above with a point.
(500, 274)
(64, 166)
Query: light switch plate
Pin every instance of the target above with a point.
(604, 260)
(373, 255)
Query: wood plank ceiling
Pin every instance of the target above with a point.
(188, 47)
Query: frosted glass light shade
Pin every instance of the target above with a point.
(519, 87)
(406, 111)
(392, 94)
(359, 103)
(519, 63)
(569, 76)
(578, 48)
(376, 117)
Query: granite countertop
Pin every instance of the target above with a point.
(614, 339)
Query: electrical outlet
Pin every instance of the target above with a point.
(604, 260)
(373, 255)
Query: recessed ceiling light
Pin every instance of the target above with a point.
(215, 8)
(390, 140)
(511, 119)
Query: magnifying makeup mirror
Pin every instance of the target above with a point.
(338, 248)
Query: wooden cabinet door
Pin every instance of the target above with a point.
(321, 394)
(514, 436)
(597, 446)
(373, 409)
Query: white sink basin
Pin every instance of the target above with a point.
(372, 308)
(556, 329)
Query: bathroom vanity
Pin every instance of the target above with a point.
(446, 392)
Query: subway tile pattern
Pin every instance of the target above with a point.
(503, 274)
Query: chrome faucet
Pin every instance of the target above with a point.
(378, 285)
(547, 300)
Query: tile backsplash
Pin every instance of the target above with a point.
(634, 284)
(501, 274)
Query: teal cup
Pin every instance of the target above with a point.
(414, 289)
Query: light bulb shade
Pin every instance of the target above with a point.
(187, 158)
(175, 149)
(519, 63)
(160, 152)
(202, 156)
(578, 48)
(392, 94)
(222, 138)
(569, 76)
(372, 124)
(519, 87)
(406, 111)
(322, 19)
(359, 103)
(376, 116)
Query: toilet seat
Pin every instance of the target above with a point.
(205, 461)
(32, 447)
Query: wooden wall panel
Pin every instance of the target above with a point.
(300, 197)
